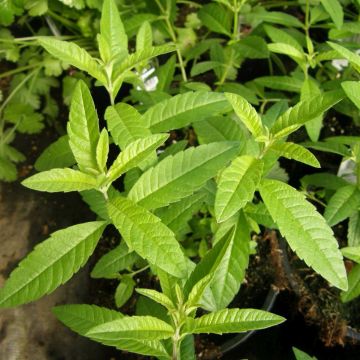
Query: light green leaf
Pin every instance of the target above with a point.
(83, 128)
(196, 293)
(227, 261)
(335, 10)
(296, 152)
(284, 83)
(328, 146)
(114, 261)
(134, 154)
(246, 113)
(124, 290)
(354, 285)
(303, 112)
(216, 18)
(300, 355)
(125, 124)
(157, 297)
(342, 204)
(56, 155)
(180, 175)
(113, 32)
(102, 150)
(8, 171)
(81, 318)
(144, 37)
(347, 54)
(147, 235)
(74, 55)
(305, 230)
(274, 17)
(61, 180)
(237, 185)
(184, 109)
(282, 36)
(352, 90)
(232, 321)
(354, 229)
(51, 263)
(289, 50)
(352, 253)
(219, 128)
(132, 327)
(177, 215)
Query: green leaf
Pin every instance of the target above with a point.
(354, 285)
(352, 253)
(219, 128)
(274, 17)
(342, 204)
(134, 154)
(184, 109)
(81, 318)
(305, 230)
(335, 10)
(300, 355)
(8, 171)
(252, 47)
(227, 261)
(147, 235)
(51, 263)
(56, 155)
(180, 175)
(352, 90)
(282, 36)
(303, 112)
(125, 124)
(61, 180)
(216, 18)
(347, 54)
(113, 33)
(296, 152)
(289, 50)
(232, 321)
(157, 297)
(114, 261)
(74, 55)
(246, 113)
(285, 83)
(328, 146)
(237, 185)
(144, 37)
(177, 215)
(197, 292)
(354, 229)
(132, 327)
(124, 290)
(83, 128)
(102, 150)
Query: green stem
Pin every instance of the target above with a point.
(236, 21)
(20, 69)
(176, 345)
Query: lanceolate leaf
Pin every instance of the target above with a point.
(83, 128)
(61, 180)
(335, 10)
(184, 109)
(237, 185)
(354, 285)
(134, 154)
(180, 175)
(114, 261)
(113, 32)
(347, 54)
(134, 327)
(354, 229)
(352, 253)
(157, 297)
(342, 204)
(125, 124)
(51, 263)
(246, 113)
(232, 321)
(352, 90)
(147, 235)
(303, 112)
(81, 318)
(102, 150)
(296, 152)
(56, 155)
(74, 55)
(305, 230)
